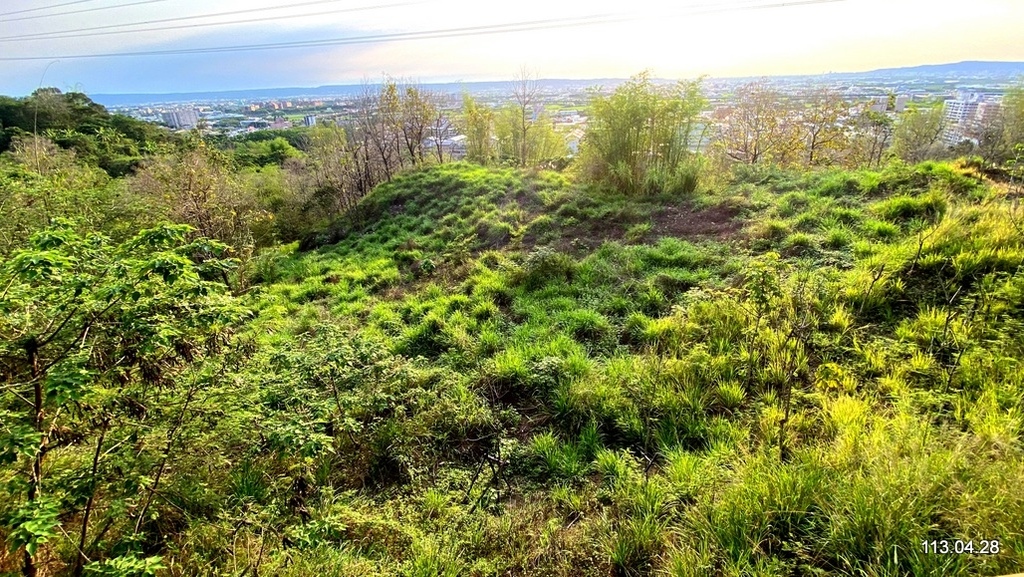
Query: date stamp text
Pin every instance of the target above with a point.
(961, 547)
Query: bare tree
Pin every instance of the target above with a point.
(441, 125)
(874, 135)
(761, 127)
(524, 93)
(378, 122)
(918, 133)
(822, 118)
(196, 186)
(990, 132)
(419, 113)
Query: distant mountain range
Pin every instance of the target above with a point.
(966, 69)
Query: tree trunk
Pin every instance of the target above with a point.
(82, 559)
(35, 488)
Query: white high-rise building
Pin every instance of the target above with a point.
(181, 119)
(959, 117)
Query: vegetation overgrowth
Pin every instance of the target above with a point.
(507, 371)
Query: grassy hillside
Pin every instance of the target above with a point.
(494, 373)
(491, 372)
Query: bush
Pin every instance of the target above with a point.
(545, 265)
(679, 181)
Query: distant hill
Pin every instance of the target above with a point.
(967, 68)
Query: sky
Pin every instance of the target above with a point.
(39, 40)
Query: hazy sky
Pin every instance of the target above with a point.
(673, 39)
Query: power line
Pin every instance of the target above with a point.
(27, 10)
(45, 35)
(206, 24)
(524, 26)
(97, 9)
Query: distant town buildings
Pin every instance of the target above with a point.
(181, 119)
(453, 147)
(894, 103)
(573, 138)
(971, 106)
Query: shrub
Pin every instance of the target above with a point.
(545, 265)
(679, 181)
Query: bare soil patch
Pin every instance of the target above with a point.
(719, 222)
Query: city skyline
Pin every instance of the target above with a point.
(553, 40)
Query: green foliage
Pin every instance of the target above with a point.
(478, 121)
(195, 186)
(43, 182)
(264, 152)
(115, 143)
(918, 133)
(126, 566)
(89, 323)
(32, 524)
(904, 208)
(638, 139)
(561, 460)
(521, 139)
